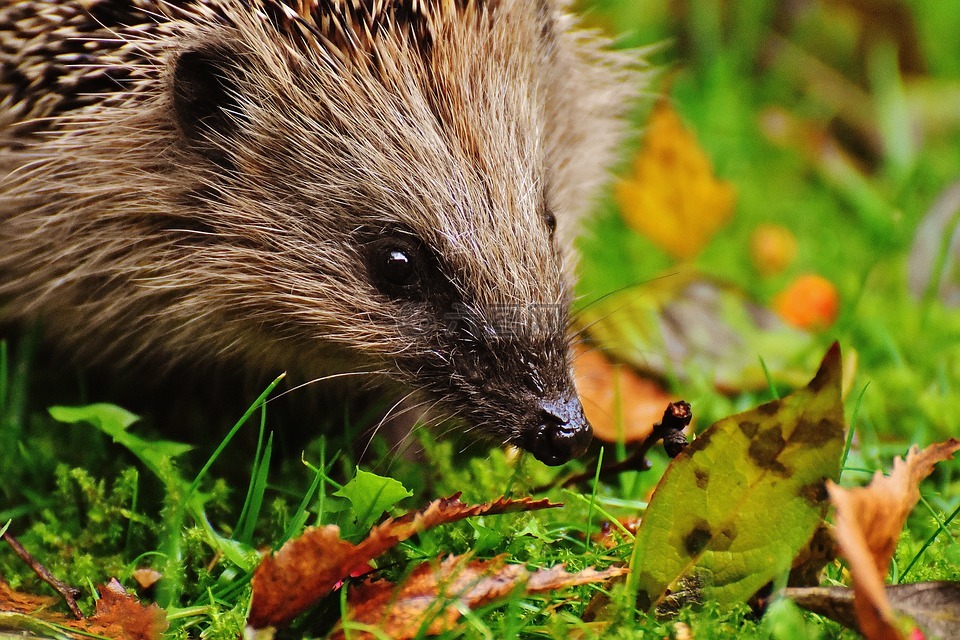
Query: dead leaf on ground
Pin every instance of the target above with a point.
(934, 606)
(13, 601)
(146, 577)
(620, 405)
(119, 616)
(308, 568)
(869, 522)
(672, 197)
(688, 323)
(433, 598)
(610, 536)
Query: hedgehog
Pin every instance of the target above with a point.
(382, 188)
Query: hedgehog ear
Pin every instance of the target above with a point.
(204, 95)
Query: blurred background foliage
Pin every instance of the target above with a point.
(836, 125)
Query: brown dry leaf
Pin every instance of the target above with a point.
(387, 535)
(620, 405)
(435, 594)
(672, 197)
(610, 535)
(303, 571)
(869, 522)
(13, 601)
(146, 577)
(119, 615)
(310, 567)
(934, 606)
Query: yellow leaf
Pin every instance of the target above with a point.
(673, 197)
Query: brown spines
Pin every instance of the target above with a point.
(59, 56)
(356, 27)
(56, 57)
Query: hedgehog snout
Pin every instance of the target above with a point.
(562, 432)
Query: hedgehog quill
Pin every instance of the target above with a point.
(317, 186)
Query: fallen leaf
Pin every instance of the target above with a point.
(146, 577)
(687, 322)
(934, 606)
(303, 571)
(672, 197)
(734, 509)
(620, 405)
(118, 616)
(13, 601)
(310, 567)
(435, 595)
(868, 525)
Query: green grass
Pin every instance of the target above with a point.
(91, 509)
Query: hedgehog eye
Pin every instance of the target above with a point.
(395, 266)
(551, 221)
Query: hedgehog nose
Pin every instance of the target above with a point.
(563, 432)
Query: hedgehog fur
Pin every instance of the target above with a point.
(318, 186)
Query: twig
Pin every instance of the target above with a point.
(675, 419)
(68, 593)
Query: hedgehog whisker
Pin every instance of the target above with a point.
(332, 376)
(390, 415)
(406, 441)
(582, 330)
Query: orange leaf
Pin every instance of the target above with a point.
(146, 577)
(609, 535)
(303, 571)
(435, 594)
(395, 530)
(18, 602)
(620, 405)
(310, 567)
(672, 197)
(869, 522)
(119, 615)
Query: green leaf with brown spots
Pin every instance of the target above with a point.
(735, 508)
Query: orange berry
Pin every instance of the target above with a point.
(809, 302)
(772, 248)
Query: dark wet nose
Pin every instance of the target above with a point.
(563, 432)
